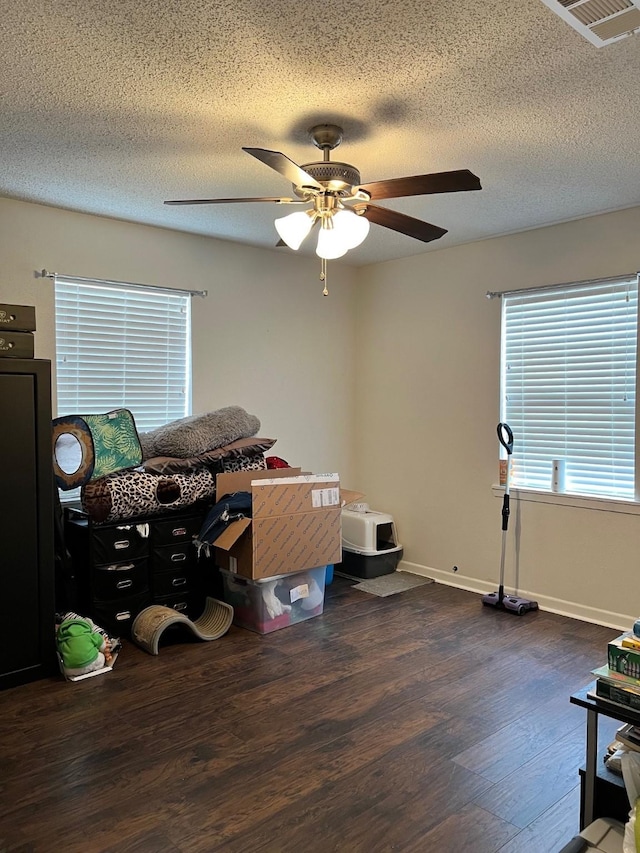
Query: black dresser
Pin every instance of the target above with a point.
(121, 567)
(27, 627)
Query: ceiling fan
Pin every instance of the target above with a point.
(340, 203)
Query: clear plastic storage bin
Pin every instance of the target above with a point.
(272, 603)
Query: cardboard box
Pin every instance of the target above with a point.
(16, 344)
(17, 318)
(622, 659)
(295, 524)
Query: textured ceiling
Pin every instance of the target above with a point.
(112, 107)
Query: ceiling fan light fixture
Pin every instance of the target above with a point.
(295, 227)
(331, 241)
(354, 228)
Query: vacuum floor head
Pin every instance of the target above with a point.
(513, 603)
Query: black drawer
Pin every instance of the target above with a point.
(176, 530)
(189, 605)
(173, 557)
(170, 583)
(120, 580)
(116, 617)
(111, 544)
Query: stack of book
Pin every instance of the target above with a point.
(629, 736)
(619, 680)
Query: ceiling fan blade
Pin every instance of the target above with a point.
(437, 182)
(281, 163)
(275, 200)
(401, 223)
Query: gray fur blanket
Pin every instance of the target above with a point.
(198, 433)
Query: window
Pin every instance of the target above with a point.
(568, 385)
(122, 346)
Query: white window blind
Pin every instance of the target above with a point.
(122, 347)
(569, 385)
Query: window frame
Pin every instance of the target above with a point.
(153, 325)
(533, 489)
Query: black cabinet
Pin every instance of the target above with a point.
(122, 567)
(27, 627)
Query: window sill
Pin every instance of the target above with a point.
(565, 499)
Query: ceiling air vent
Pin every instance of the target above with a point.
(599, 21)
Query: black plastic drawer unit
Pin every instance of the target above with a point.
(121, 568)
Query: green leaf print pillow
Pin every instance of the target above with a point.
(87, 447)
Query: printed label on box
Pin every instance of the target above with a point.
(299, 592)
(325, 497)
(233, 565)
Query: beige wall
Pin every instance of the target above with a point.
(265, 338)
(428, 348)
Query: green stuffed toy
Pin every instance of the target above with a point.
(81, 647)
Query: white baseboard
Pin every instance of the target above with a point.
(572, 609)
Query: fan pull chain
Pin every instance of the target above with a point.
(323, 275)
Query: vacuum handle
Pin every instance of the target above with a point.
(505, 510)
(507, 442)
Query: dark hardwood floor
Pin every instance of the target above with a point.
(417, 722)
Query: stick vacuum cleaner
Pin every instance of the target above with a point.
(498, 599)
